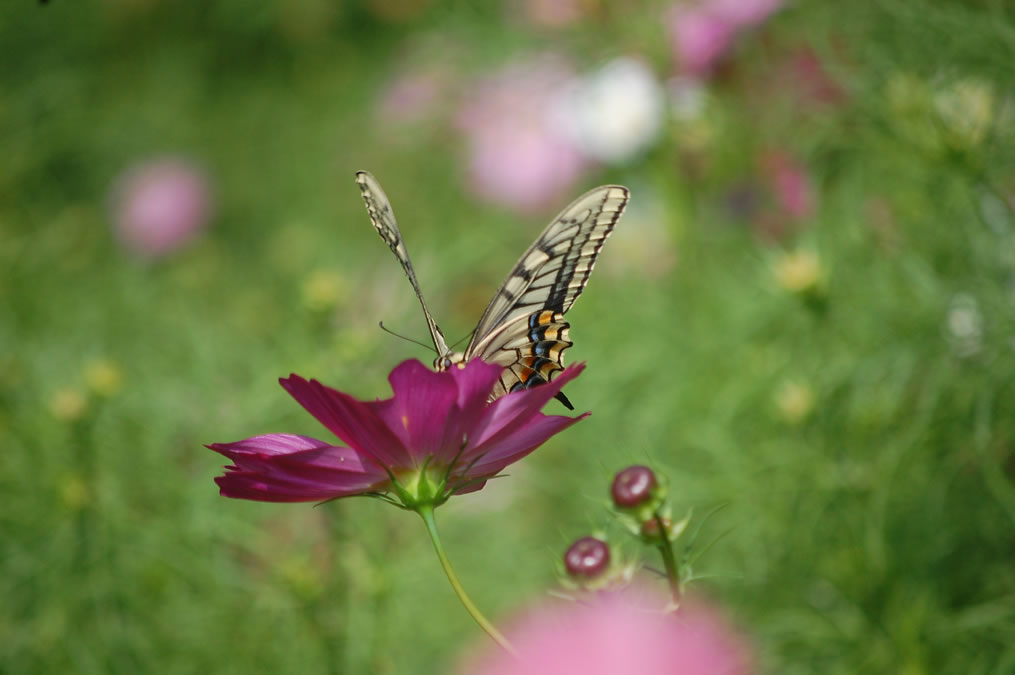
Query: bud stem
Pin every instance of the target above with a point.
(426, 513)
(666, 548)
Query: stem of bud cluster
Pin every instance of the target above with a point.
(426, 513)
(669, 561)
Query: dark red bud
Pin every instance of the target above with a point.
(632, 486)
(587, 557)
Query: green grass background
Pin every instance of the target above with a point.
(875, 535)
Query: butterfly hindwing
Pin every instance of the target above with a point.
(523, 328)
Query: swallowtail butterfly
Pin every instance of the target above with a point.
(523, 327)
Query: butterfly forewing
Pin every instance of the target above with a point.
(552, 273)
(383, 218)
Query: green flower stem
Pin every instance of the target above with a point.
(426, 512)
(666, 548)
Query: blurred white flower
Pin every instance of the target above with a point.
(965, 325)
(160, 205)
(517, 155)
(613, 114)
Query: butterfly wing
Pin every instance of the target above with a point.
(383, 219)
(523, 328)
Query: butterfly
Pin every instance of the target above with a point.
(523, 327)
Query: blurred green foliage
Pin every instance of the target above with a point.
(854, 410)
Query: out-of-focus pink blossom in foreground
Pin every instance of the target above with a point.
(517, 156)
(160, 205)
(790, 184)
(702, 32)
(619, 633)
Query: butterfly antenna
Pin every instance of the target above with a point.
(459, 341)
(407, 339)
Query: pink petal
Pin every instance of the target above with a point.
(423, 407)
(699, 38)
(507, 449)
(513, 410)
(744, 13)
(351, 420)
(618, 633)
(475, 382)
(290, 468)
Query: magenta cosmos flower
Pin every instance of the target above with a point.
(436, 436)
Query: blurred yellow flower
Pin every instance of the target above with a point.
(799, 272)
(795, 401)
(68, 405)
(966, 109)
(103, 377)
(302, 577)
(323, 290)
(74, 493)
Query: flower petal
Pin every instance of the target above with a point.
(423, 409)
(507, 449)
(351, 420)
(290, 468)
(475, 382)
(512, 410)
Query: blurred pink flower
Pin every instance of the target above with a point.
(552, 13)
(160, 205)
(518, 157)
(702, 32)
(790, 184)
(619, 633)
(742, 14)
(809, 78)
(699, 38)
(412, 96)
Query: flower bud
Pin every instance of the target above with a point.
(633, 486)
(588, 557)
(650, 527)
